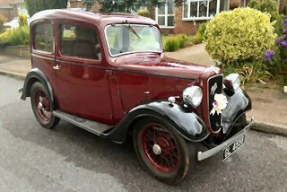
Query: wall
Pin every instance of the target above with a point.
(19, 51)
(9, 14)
(187, 27)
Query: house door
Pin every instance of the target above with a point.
(82, 81)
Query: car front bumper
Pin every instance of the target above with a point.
(206, 154)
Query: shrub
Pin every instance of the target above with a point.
(202, 32)
(271, 7)
(256, 72)
(266, 6)
(23, 20)
(4, 38)
(182, 40)
(176, 42)
(238, 36)
(277, 59)
(198, 38)
(144, 13)
(171, 44)
(19, 36)
(2, 21)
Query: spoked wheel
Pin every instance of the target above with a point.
(162, 150)
(42, 106)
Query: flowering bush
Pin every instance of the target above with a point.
(278, 58)
(18, 36)
(2, 21)
(239, 36)
(23, 20)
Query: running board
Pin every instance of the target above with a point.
(91, 126)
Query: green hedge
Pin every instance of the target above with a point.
(174, 43)
(19, 36)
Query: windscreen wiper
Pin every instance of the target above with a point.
(130, 28)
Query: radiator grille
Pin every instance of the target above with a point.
(215, 86)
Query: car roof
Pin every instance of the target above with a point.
(95, 18)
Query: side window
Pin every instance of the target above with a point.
(80, 42)
(44, 38)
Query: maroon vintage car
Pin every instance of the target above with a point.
(108, 74)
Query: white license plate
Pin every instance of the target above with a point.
(231, 149)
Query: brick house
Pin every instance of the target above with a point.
(12, 8)
(181, 19)
(186, 18)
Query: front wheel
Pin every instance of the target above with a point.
(162, 151)
(42, 106)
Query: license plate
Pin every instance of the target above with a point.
(231, 149)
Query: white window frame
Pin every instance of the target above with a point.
(189, 18)
(166, 15)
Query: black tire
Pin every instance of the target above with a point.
(185, 151)
(50, 121)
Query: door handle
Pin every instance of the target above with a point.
(56, 67)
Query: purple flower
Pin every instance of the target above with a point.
(285, 31)
(278, 41)
(269, 55)
(284, 43)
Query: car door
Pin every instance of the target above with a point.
(82, 78)
(43, 49)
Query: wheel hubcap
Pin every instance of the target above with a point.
(156, 149)
(161, 148)
(42, 104)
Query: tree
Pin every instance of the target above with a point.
(35, 6)
(89, 4)
(128, 5)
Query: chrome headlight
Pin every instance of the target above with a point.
(234, 80)
(193, 95)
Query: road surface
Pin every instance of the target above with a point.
(70, 159)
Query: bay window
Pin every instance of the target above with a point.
(203, 9)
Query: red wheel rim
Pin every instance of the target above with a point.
(161, 148)
(42, 104)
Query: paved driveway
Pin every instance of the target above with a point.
(195, 54)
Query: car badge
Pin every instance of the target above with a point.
(213, 88)
(219, 104)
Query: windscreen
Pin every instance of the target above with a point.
(125, 38)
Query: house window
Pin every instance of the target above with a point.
(165, 14)
(22, 10)
(203, 9)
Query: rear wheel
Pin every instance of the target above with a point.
(42, 106)
(162, 151)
